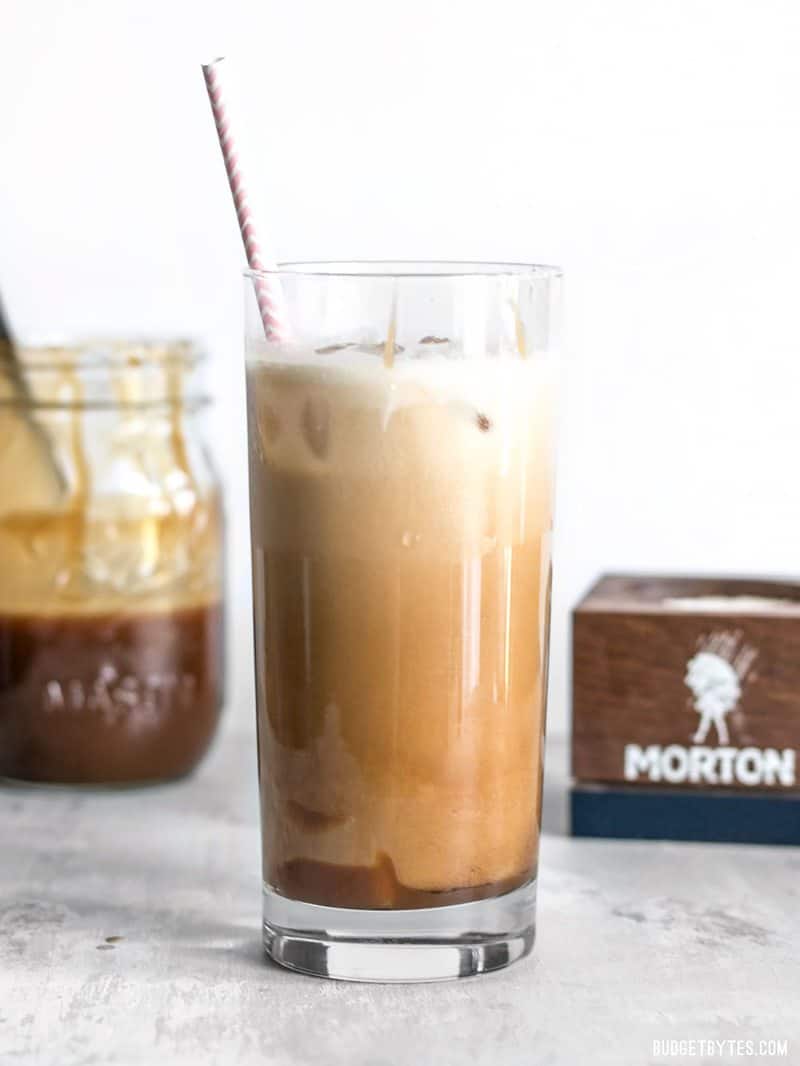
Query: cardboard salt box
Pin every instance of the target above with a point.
(686, 710)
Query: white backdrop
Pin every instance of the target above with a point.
(648, 146)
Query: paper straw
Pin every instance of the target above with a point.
(269, 295)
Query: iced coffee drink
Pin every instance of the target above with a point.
(401, 509)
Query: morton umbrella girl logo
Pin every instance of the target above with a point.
(715, 675)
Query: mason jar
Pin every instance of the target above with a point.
(111, 565)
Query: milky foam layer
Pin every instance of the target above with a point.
(460, 376)
(437, 452)
(349, 409)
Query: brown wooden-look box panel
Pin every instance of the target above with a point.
(687, 682)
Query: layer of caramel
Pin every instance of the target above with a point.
(109, 699)
(376, 887)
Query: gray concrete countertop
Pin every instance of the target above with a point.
(637, 942)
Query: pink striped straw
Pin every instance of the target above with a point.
(269, 294)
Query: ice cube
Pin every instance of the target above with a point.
(269, 424)
(329, 349)
(379, 348)
(315, 425)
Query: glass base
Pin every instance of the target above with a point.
(430, 944)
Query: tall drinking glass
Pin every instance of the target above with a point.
(401, 487)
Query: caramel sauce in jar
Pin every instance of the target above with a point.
(111, 566)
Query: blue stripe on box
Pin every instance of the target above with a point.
(685, 814)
